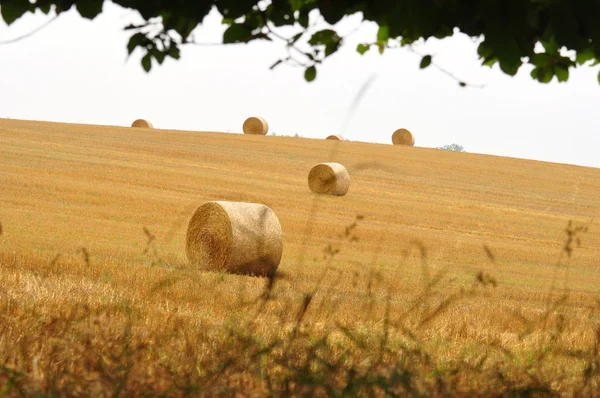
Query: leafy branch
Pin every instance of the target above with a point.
(512, 32)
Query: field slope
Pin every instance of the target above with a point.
(80, 202)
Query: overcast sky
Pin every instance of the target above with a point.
(75, 70)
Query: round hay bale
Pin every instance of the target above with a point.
(403, 137)
(235, 237)
(335, 137)
(256, 125)
(329, 179)
(142, 123)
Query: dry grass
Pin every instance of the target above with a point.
(427, 278)
(237, 237)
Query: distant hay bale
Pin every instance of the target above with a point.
(142, 123)
(235, 237)
(403, 137)
(256, 125)
(335, 137)
(329, 179)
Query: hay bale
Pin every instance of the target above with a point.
(329, 179)
(142, 123)
(403, 137)
(235, 237)
(256, 125)
(335, 137)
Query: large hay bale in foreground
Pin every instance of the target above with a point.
(329, 179)
(336, 137)
(235, 237)
(142, 123)
(403, 137)
(256, 125)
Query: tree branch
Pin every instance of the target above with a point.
(446, 71)
(26, 35)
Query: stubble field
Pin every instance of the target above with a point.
(439, 273)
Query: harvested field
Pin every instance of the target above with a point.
(93, 232)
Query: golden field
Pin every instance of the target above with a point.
(460, 260)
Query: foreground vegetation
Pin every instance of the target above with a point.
(429, 278)
(76, 328)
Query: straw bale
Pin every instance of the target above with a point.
(335, 137)
(403, 137)
(329, 179)
(235, 237)
(142, 123)
(256, 125)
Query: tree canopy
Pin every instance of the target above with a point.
(553, 36)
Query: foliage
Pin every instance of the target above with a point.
(514, 31)
(287, 135)
(452, 147)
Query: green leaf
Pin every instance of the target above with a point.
(585, 56)
(328, 38)
(363, 48)
(237, 33)
(510, 68)
(598, 77)
(550, 45)
(296, 4)
(545, 75)
(562, 73)
(45, 8)
(303, 18)
(174, 52)
(255, 20)
(406, 41)
(296, 37)
(280, 13)
(147, 62)
(425, 62)
(491, 61)
(462, 84)
(484, 50)
(89, 8)
(324, 36)
(541, 59)
(134, 41)
(534, 72)
(158, 55)
(13, 10)
(383, 34)
(310, 73)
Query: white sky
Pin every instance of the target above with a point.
(75, 70)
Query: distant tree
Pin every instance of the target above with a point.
(452, 147)
(287, 135)
(553, 36)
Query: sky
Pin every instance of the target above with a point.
(77, 71)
